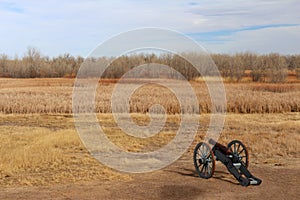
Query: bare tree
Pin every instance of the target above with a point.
(32, 61)
(238, 67)
(276, 68)
(3, 64)
(257, 69)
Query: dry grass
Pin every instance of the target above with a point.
(39, 144)
(24, 96)
(271, 138)
(45, 149)
(263, 98)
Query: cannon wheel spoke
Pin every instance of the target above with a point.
(204, 160)
(240, 150)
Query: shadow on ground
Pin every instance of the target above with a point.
(179, 192)
(220, 175)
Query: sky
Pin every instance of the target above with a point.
(78, 26)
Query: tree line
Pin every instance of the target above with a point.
(257, 67)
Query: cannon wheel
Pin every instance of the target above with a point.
(204, 160)
(239, 150)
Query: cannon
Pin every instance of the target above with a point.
(235, 157)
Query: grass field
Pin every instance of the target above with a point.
(39, 144)
(25, 96)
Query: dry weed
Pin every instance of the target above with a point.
(24, 96)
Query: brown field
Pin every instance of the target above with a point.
(40, 147)
(28, 96)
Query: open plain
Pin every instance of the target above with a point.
(42, 156)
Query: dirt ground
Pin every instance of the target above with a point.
(177, 181)
(273, 142)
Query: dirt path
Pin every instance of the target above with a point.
(177, 181)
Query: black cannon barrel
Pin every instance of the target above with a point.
(220, 147)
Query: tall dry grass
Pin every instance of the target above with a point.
(26, 96)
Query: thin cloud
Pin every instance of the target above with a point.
(221, 36)
(283, 40)
(10, 7)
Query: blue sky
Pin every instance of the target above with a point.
(78, 26)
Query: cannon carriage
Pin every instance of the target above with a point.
(234, 156)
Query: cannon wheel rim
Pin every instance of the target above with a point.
(204, 160)
(238, 148)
